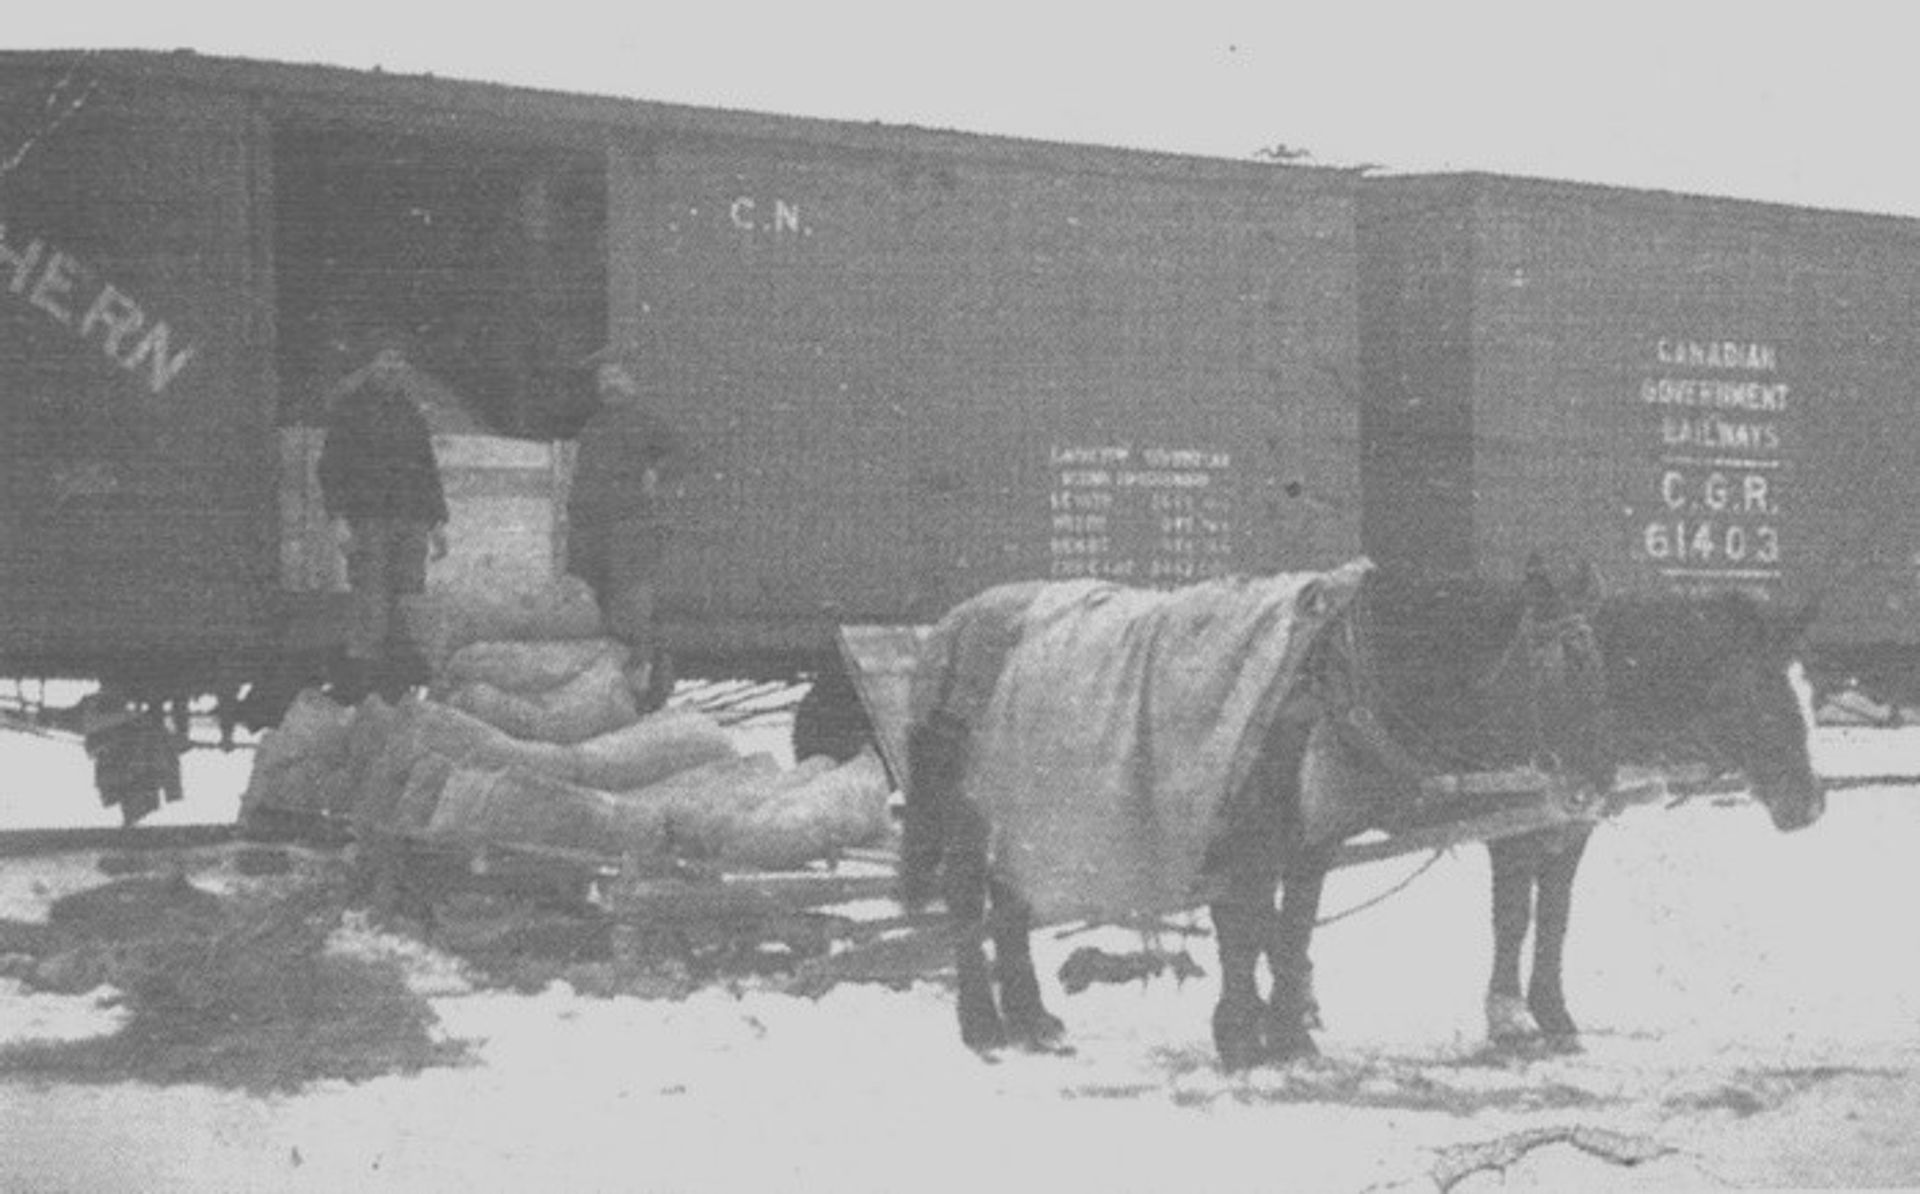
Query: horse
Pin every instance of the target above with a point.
(1717, 680)
(1459, 669)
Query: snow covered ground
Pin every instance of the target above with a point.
(1751, 1001)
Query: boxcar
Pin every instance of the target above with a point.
(1692, 392)
(912, 363)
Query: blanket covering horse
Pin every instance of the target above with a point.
(1109, 726)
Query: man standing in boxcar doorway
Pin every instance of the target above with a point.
(617, 536)
(381, 487)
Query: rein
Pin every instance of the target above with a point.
(1374, 901)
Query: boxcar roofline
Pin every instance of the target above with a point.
(1491, 185)
(456, 106)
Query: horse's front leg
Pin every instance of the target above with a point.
(1292, 1007)
(1546, 998)
(1022, 1011)
(1515, 860)
(965, 889)
(1240, 917)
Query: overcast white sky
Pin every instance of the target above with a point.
(1809, 103)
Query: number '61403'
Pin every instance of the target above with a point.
(1709, 542)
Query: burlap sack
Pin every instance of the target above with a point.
(444, 621)
(645, 818)
(313, 786)
(474, 743)
(515, 806)
(845, 806)
(374, 723)
(529, 667)
(299, 764)
(639, 828)
(392, 745)
(461, 812)
(421, 795)
(595, 702)
(649, 750)
(703, 816)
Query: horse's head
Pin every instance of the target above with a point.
(1563, 697)
(1759, 705)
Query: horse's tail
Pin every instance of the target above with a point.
(936, 752)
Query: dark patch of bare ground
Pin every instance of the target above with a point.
(228, 991)
(1752, 1092)
(1408, 1085)
(240, 991)
(1377, 1083)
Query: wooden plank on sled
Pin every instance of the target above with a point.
(913, 952)
(27, 842)
(667, 901)
(24, 721)
(1506, 822)
(1516, 781)
(494, 854)
(451, 862)
(740, 896)
(814, 891)
(1549, 811)
(1361, 730)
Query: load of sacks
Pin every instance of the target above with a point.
(538, 741)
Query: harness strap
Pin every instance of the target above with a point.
(1337, 685)
(1343, 693)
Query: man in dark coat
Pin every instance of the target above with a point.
(617, 538)
(381, 487)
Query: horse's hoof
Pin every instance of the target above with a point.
(1509, 1022)
(1039, 1032)
(1237, 1039)
(1554, 1020)
(983, 1035)
(1238, 1059)
(1238, 1051)
(1531, 1048)
(1286, 1047)
(1289, 1027)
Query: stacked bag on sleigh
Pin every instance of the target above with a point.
(530, 738)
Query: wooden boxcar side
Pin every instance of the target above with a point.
(910, 364)
(1693, 392)
(913, 370)
(137, 470)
